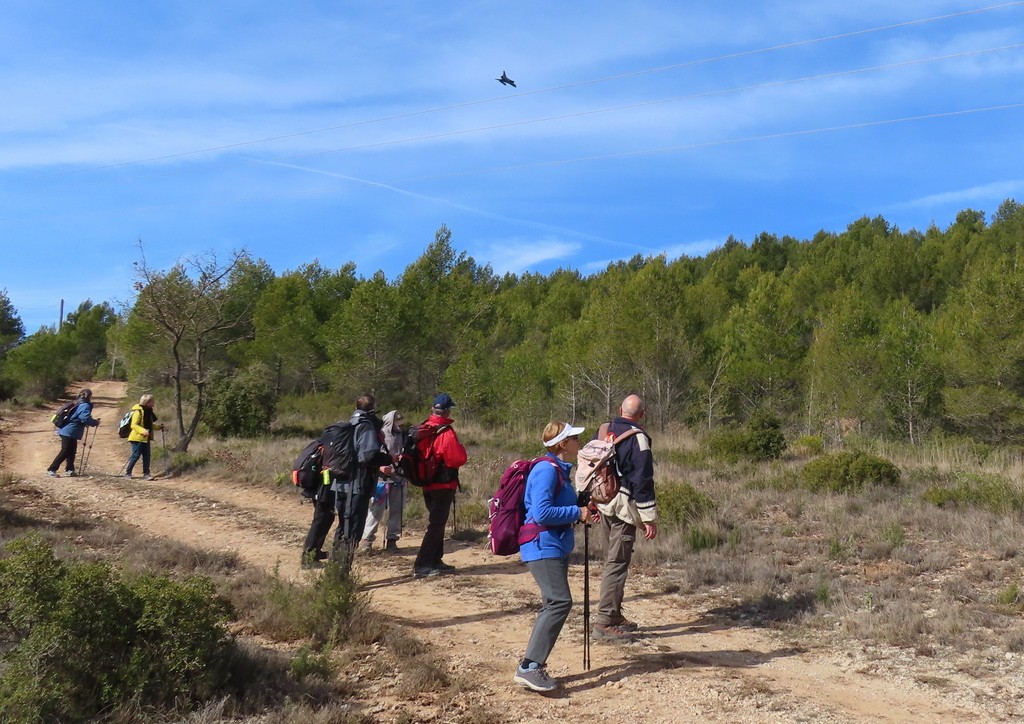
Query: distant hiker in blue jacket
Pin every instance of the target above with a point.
(71, 433)
(551, 510)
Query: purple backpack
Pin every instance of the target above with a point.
(507, 511)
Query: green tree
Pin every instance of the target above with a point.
(766, 337)
(11, 332)
(844, 376)
(446, 299)
(910, 372)
(286, 335)
(87, 328)
(185, 315)
(363, 337)
(39, 365)
(982, 332)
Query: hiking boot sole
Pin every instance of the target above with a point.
(533, 686)
(613, 636)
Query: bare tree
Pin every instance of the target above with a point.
(191, 308)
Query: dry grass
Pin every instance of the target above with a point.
(372, 654)
(879, 565)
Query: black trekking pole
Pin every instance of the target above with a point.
(586, 596)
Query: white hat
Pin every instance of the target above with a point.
(566, 432)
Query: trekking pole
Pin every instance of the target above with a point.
(586, 596)
(87, 447)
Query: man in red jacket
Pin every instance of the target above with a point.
(439, 491)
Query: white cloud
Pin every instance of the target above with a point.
(517, 255)
(996, 191)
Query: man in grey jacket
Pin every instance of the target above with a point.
(353, 496)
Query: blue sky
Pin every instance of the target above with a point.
(352, 131)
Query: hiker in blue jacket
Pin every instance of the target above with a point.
(551, 510)
(71, 433)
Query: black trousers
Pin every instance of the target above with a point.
(352, 508)
(323, 517)
(439, 507)
(68, 451)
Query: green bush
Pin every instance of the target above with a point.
(701, 538)
(320, 610)
(765, 440)
(991, 492)
(760, 438)
(241, 404)
(681, 504)
(809, 445)
(725, 443)
(845, 472)
(81, 639)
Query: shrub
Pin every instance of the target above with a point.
(845, 472)
(319, 611)
(681, 504)
(81, 639)
(241, 404)
(765, 440)
(991, 492)
(760, 438)
(808, 445)
(701, 538)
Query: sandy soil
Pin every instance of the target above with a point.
(689, 665)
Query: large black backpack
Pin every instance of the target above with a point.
(306, 471)
(339, 455)
(417, 462)
(63, 415)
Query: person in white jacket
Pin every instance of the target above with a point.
(390, 492)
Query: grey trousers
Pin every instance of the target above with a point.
(552, 576)
(393, 501)
(621, 536)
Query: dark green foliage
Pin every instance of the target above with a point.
(765, 440)
(40, 365)
(241, 405)
(990, 492)
(845, 472)
(760, 439)
(80, 639)
(681, 504)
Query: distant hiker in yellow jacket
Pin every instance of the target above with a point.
(143, 424)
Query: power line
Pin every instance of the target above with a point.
(642, 104)
(393, 184)
(631, 106)
(508, 97)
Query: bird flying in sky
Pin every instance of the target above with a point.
(505, 80)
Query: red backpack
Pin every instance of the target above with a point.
(507, 511)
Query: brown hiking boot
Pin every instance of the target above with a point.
(616, 634)
(625, 624)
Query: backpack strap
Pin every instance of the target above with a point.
(530, 529)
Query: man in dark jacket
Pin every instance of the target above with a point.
(443, 446)
(633, 507)
(353, 496)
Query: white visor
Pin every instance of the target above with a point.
(567, 432)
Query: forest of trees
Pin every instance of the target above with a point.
(901, 334)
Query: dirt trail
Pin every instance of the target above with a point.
(688, 667)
